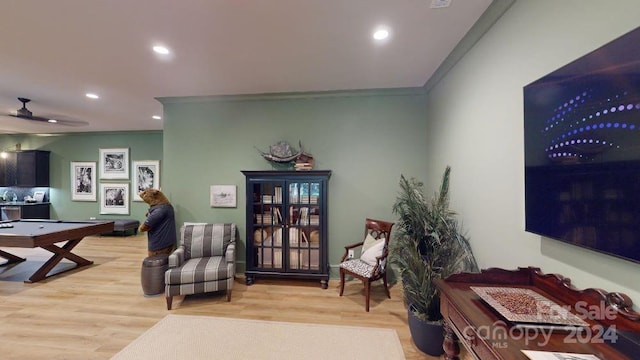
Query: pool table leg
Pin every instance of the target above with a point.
(11, 259)
(59, 253)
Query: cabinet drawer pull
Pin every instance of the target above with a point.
(471, 337)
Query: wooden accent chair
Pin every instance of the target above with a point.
(203, 262)
(372, 263)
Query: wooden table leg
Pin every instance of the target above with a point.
(59, 253)
(451, 343)
(10, 258)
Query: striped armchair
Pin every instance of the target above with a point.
(203, 262)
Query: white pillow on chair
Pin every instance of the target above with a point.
(371, 249)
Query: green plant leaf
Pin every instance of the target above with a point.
(428, 245)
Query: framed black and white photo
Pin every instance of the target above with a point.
(83, 181)
(114, 198)
(223, 196)
(114, 163)
(146, 175)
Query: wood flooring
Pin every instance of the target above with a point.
(94, 312)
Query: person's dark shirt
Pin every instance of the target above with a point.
(162, 224)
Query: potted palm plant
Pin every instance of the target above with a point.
(428, 245)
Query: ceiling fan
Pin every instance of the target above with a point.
(26, 114)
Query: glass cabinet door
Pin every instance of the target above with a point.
(303, 222)
(268, 224)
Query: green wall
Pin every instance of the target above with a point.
(85, 147)
(367, 139)
(475, 116)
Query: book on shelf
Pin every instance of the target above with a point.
(264, 218)
(278, 216)
(304, 162)
(310, 259)
(278, 194)
(270, 258)
(294, 259)
(292, 215)
(303, 218)
(294, 236)
(303, 166)
(271, 217)
(297, 237)
(275, 198)
(307, 199)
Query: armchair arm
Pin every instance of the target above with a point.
(230, 254)
(230, 257)
(177, 257)
(349, 247)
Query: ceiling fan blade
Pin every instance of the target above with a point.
(67, 122)
(26, 114)
(52, 120)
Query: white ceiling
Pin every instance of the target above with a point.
(54, 52)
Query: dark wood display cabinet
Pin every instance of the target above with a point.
(286, 224)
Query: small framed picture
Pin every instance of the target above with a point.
(223, 196)
(114, 163)
(39, 196)
(114, 198)
(146, 175)
(83, 181)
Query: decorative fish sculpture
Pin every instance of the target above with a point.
(282, 152)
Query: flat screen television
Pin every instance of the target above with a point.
(582, 151)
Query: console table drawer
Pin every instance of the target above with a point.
(475, 343)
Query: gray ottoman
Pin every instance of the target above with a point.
(152, 274)
(122, 227)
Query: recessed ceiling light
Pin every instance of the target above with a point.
(92, 96)
(53, 121)
(381, 34)
(157, 117)
(162, 50)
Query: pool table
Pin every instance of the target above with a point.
(46, 234)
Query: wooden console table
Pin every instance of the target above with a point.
(487, 335)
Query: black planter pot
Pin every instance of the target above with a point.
(427, 336)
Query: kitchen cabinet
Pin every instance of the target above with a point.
(27, 168)
(21, 210)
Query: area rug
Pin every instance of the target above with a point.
(204, 337)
